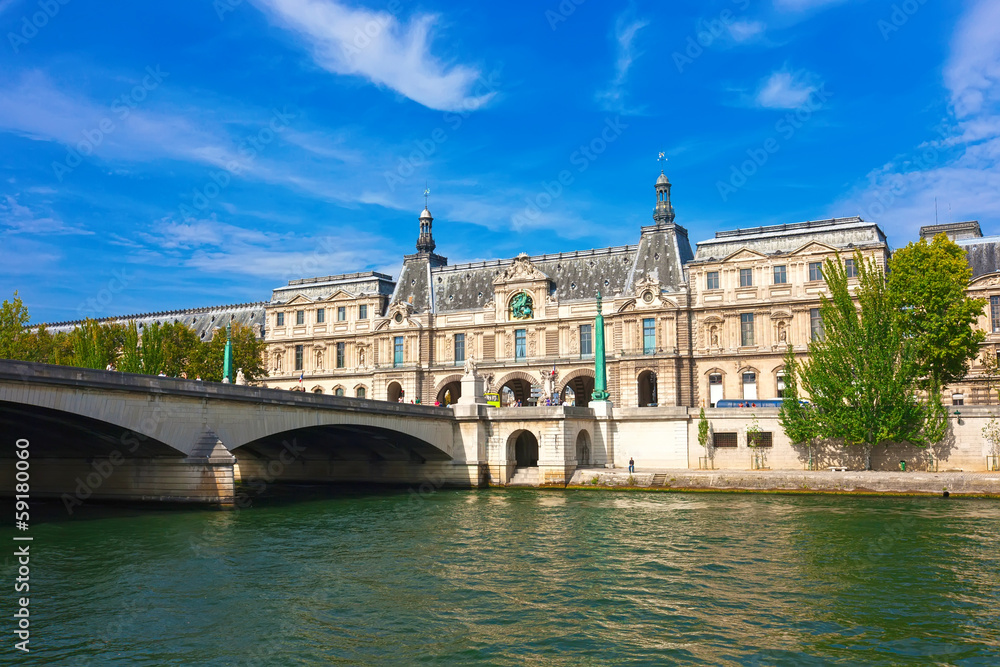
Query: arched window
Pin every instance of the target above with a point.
(361, 393)
(339, 391)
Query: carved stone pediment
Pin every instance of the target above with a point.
(781, 314)
(989, 280)
(399, 313)
(521, 270)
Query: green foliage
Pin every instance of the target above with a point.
(130, 360)
(702, 429)
(797, 419)
(991, 434)
(96, 345)
(248, 354)
(862, 374)
(15, 339)
(927, 284)
(753, 431)
(152, 349)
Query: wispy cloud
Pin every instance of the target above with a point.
(744, 31)
(626, 28)
(961, 168)
(16, 218)
(378, 47)
(804, 5)
(786, 90)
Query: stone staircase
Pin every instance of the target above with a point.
(659, 479)
(524, 477)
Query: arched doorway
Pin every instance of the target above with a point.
(450, 393)
(525, 449)
(583, 448)
(647, 389)
(578, 390)
(393, 392)
(517, 389)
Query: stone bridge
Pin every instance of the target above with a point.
(109, 435)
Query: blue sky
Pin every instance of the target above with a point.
(169, 155)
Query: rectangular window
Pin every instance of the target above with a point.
(714, 389)
(320, 316)
(746, 329)
(397, 351)
(459, 348)
(298, 357)
(363, 311)
(958, 399)
(750, 386)
(746, 277)
(340, 355)
(586, 342)
(281, 319)
(850, 269)
(762, 439)
(780, 275)
(649, 336)
(815, 271)
(300, 317)
(341, 313)
(995, 313)
(815, 324)
(712, 280)
(723, 440)
(520, 343)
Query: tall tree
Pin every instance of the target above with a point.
(15, 339)
(927, 283)
(796, 418)
(248, 355)
(862, 374)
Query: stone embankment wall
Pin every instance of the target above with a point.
(964, 449)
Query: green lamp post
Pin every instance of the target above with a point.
(600, 369)
(227, 363)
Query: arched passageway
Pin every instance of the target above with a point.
(578, 390)
(647, 389)
(516, 390)
(393, 392)
(583, 449)
(450, 393)
(525, 449)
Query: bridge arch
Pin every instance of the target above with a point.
(394, 392)
(584, 448)
(519, 383)
(581, 384)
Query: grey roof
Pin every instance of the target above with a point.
(956, 231)
(983, 254)
(203, 320)
(573, 275)
(772, 239)
(360, 283)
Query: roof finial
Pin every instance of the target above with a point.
(427, 192)
(662, 160)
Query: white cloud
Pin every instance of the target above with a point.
(16, 218)
(376, 46)
(785, 90)
(626, 29)
(803, 5)
(961, 168)
(743, 31)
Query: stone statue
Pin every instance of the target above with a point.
(240, 378)
(715, 337)
(781, 332)
(470, 366)
(361, 357)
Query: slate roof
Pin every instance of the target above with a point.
(203, 320)
(359, 283)
(774, 239)
(983, 254)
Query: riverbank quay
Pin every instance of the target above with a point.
(860, 482)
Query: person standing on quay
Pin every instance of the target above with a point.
(631, 465)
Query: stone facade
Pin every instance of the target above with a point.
(682, 328)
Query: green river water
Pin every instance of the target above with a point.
(518, 577)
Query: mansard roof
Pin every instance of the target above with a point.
(203, 320)
(838, 233)
(982, 253)
(322, 287)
